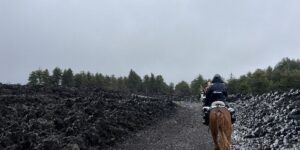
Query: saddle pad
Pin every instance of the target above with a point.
(217, 104)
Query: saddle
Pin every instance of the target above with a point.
(214, 105)
(217, 104)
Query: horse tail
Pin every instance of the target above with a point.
(222, 124)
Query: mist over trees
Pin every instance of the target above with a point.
(285, 75)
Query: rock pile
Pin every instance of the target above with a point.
(69, 118)
(268, 121)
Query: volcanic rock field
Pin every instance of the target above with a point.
(53, 118)
(270, 121)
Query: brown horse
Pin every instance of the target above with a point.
(220, 127)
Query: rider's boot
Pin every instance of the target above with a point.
(205, 118)
(233, 119)
(232, 113)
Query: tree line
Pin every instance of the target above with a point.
(148, 85)
(285, 75)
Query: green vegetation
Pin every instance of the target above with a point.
(149, 85)
(182, 88)
(285, 75)
(67, 78)
(134, 83)
(197, 85)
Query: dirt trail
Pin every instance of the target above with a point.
(182, 131)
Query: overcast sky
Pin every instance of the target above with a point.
(178, 39)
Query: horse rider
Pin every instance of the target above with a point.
(216, 91)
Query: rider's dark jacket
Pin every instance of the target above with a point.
(216, 92)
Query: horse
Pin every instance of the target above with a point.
(220, 126)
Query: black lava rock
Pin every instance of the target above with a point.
(51, 118)
(268, 121)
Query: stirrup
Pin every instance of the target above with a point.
(231, 110)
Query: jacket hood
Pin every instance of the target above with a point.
(217, 79)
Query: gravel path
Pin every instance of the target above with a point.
(182, 131)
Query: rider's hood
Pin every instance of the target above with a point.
(217, 79)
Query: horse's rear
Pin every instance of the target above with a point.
(221, 128)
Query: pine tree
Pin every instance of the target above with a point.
(182, 89)
(113, 82)
(33, 80)
(161, 86)
(134, 82)
(56, 76)
(171, 88)
(99, 79)
(121, 84)
(152, 89)
(146, 85)
(45, 78)
(67, 78)
(196, 85)
(39, 75)
(78, 80)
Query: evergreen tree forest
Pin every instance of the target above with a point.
(133, 83)
(285, 75)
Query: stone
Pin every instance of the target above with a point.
(268, 121)
(38, 117)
